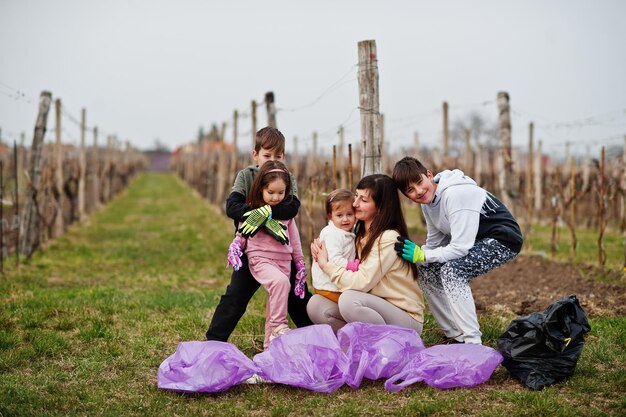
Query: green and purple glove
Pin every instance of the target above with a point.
(278, 230)
(409, 251)
(300, 279)
(254, 220)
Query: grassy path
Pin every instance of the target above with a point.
(86, 323)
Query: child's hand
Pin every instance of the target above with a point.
(235, 250)
(254, 219)
(409, 251)
(277, 229)
(300, 279)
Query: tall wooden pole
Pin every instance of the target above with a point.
(505, 162)
(235, 155)
(416, 145)
(446, 134)
(529, 187)
(349, 166)
(371, 135)
(295, 169)
(601, 214)
(95, 165)
(341, 160)
(270, 107)
(253, 117)
(538, 178)
(334, 168)
(469, 155)
(30, 229)
(82, 165)
(58, 153)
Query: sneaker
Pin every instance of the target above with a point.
(280, 330)
(448, 341)
(256, 379)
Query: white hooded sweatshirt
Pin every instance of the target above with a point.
(453, 217)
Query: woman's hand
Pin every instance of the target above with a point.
(322, 255)
(315, 248)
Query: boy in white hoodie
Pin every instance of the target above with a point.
(469, 233)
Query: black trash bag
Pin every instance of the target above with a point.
(543, 348)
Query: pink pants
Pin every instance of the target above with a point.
(273, 275)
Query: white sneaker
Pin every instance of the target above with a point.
(280, 330)
(256, 379)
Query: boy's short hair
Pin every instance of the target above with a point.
(270, 138)
(408, 170)
(337, 196)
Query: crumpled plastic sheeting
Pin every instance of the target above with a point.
(377, 351)
(210, 366)
(448, 366)
(309, 357)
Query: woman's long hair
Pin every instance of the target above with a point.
(384, 193)
(270, 171)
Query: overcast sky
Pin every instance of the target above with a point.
(148, 70)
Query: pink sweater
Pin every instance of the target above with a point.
(263, 244)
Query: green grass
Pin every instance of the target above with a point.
(85, 324)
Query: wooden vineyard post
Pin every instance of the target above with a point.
(341, 166)
(538, 178)
(59, 226)
(572, 210)
(505, 163)
(270, 107)
(601, 214)
(556, 210)
(350, 166)
(30, 224)
(295, 169)
(253, 117)
(95, 165)
(17, 162)
(371, 135)
(529, 189)
(469, 155)
(445, 134)
(234, 159)
(81, 167)
(334, 170)
(416, 145)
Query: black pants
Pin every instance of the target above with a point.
(238, 294)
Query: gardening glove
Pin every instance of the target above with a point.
(277, 229)
(235, 250)
(300, 279)
(353, 265)
(409, 251)
(254, 220)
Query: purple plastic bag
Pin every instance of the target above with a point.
(448, 366)
(377, 350)
(309, 357)
(205, 367)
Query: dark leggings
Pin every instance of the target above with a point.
(233, 303)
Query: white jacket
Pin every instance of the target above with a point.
(453, 217)
(341, 249)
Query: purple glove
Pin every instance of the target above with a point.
(353, 265)
(235, 250)
(300, 279)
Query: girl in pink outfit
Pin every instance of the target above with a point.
(271, 250)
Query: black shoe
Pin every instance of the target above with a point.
(448, 341)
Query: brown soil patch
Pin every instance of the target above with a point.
(531, 283)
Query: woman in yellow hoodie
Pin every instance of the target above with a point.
(385, 289)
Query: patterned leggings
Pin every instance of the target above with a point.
(446, 287)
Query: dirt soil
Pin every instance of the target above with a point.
(529, 284)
